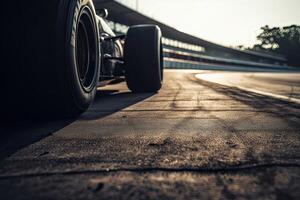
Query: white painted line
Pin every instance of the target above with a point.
(206, 77)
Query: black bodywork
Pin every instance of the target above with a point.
(112, 64)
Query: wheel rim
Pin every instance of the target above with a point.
(86, 50)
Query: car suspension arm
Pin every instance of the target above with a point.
(109, 57)
(113, 38)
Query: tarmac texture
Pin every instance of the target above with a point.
(194, 139)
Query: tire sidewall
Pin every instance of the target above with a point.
(81, 97)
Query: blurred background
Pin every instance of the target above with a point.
(234, 32)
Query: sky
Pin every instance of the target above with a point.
(226, 22)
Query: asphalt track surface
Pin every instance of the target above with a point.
(195, 139)
(284, 86)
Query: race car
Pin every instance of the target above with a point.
(58, 52)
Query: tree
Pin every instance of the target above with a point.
(285, 40)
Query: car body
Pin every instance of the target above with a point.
(112, 50)
(57, 53)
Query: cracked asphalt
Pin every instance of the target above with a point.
(194, 139)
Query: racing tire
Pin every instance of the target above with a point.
(52, 57)
(143, 58)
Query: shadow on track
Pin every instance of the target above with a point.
(15, 136)
(108, 104)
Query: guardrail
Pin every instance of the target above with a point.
(168, 53)
(179, 59)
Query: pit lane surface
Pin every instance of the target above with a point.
(195, 139)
